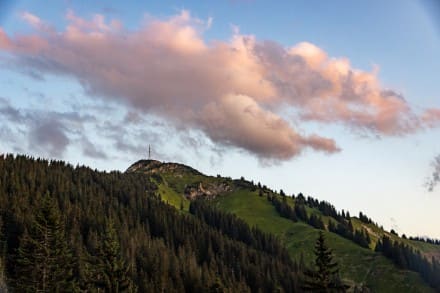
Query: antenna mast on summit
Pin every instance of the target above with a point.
(149, 152)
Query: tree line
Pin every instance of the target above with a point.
(408, 258)
(425, 240)
(401, 254)
(67, 229)
(340, 225)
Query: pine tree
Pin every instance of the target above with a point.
(325, 278)
(44, 261)
(109, 270)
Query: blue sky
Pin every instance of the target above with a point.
(164, 74)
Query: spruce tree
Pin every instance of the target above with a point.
(44, 260)
(325, 276)
(110, 271)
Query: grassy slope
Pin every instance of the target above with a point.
(357, 264)
(172, 197)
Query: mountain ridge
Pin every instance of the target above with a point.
(223, 241)
(245, 193)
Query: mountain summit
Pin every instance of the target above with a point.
(155, 166)
(362, 247)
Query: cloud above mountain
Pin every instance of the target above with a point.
(233, 91)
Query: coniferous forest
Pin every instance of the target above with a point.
(74, 229)
(68, 228)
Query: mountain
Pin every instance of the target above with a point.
(361, 265)
(66, 228)
(166, 227)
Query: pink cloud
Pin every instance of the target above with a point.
(36, 22)
(32, 19)
(431, 117)
(231, 90)
(97, 23)
(5, 43)
(328, 89)
(239, 120)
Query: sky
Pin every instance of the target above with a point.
(339, 100)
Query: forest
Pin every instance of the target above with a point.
(70, 228)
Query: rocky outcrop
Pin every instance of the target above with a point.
(210, 190)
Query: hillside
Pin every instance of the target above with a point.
(360, 264)
(165, 227)
(74, 229)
